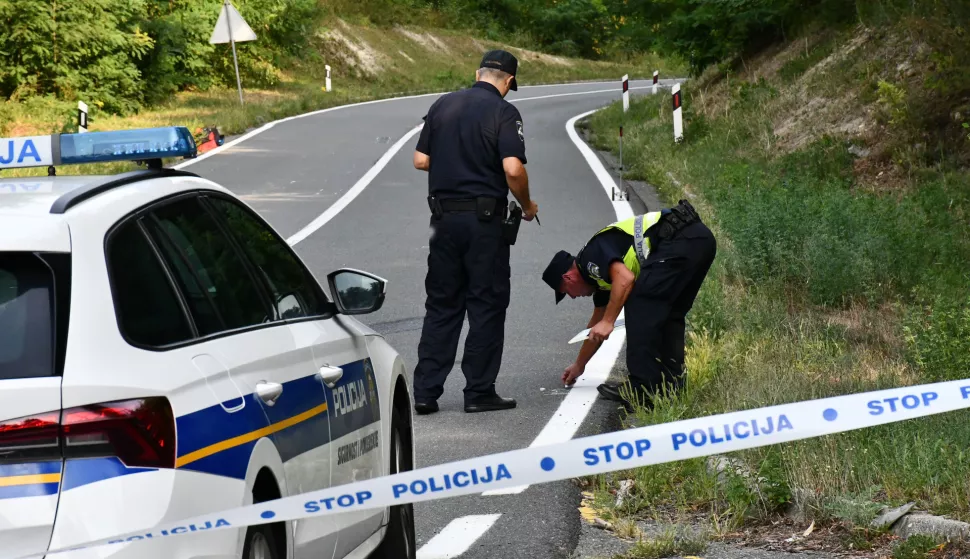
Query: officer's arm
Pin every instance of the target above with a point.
(518, 179)
(622, 280)
(422, 161)
(422, 151)
(590, 347)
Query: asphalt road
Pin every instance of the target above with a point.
(296, 170)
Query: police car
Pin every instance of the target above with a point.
(165, 354)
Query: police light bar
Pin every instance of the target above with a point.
(96, 147)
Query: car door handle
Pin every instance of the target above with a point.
(269, 392)
(331, 375)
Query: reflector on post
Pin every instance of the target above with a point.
(678, 114)
(626, 93)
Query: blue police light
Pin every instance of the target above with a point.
(127, 145)
(145, 144)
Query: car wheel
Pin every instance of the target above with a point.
(260, 543)
(399, 541)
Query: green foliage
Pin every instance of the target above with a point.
(893, 101)
(915, 547)
(856, 510)
(120, 55)
(938, 339)
(668, 544)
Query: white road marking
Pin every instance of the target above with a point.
(457, 537)
(372, 173)
(354, 191)
(575, 407)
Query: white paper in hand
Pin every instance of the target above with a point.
(620, 323)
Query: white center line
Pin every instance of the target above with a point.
(457, 537)
(575, 407)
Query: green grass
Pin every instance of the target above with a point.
(821, 287)
(668, 544)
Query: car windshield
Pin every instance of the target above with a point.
(26, 307)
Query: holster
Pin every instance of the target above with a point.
(680, 216)
(510, 225)
(435, 206)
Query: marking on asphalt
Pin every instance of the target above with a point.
(269, 125)
(354, 191)
(372, 173)
(457, 537)
(575, 407)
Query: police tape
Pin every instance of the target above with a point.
(622, 450)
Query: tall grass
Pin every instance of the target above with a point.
(821, 287)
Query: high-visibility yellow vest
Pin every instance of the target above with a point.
(637, 228)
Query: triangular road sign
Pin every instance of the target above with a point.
(230, 16)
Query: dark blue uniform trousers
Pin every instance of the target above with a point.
(657, 307)
(468, 270)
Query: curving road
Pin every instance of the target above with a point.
(296, 170)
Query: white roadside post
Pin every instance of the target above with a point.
(232, 28)
(656, 79)
(626, 93)
(82, 117)
(328, 77)
(678, 115)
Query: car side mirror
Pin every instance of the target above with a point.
(290, 305)
(356, 292)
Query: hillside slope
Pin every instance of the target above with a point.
(833, 170)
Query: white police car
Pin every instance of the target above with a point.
(165, 354)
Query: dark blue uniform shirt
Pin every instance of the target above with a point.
(599, 254)
(467, 134)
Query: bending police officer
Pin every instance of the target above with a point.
(652, 266)
(473, 147)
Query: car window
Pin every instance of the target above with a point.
(220, 292)
(147, 306)
(26, 307)
(295, 292)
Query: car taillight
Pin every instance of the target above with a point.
(30, 438)
(141, 433)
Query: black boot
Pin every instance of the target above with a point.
(489, 403)
(425, 408)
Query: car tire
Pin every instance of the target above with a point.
(260, 543)
(399, 541)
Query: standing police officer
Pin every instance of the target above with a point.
(652, 266)
(473, 147)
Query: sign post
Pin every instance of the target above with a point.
(626, 93)
(678, 115)
(82, 117)
(232, 28)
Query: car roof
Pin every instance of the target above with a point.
(36, 195)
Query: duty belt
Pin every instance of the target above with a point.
(472, 205)
(679, 217)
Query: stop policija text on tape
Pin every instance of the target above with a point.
(644, 446)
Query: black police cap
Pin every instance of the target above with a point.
(553, 273)
(504, 61)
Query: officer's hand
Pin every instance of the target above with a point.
(529, 213)
(601, 331)
(572, 373)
